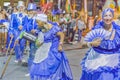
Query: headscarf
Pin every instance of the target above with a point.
(107, 10)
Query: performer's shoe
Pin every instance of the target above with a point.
(27, 75)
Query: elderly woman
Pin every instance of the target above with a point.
(50, 62)
(102, 61)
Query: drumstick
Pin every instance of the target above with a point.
(6, 64)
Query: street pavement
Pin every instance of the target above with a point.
(17, 71)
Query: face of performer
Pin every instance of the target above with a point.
(21, 8)
(42, 25)
(30, 13)
(108, 18)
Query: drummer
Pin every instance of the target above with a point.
(32, 29)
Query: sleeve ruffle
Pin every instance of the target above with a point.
(56, 29)
(110, 46)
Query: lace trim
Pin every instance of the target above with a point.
(100, 69)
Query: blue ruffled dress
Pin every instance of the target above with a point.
(49, 63)
(103, 62)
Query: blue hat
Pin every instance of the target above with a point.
(31, 6)
(20, 3)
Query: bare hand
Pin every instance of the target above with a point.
(16, 42)
(33, 31)
(20, 27)
(96, 42)
(60, 48)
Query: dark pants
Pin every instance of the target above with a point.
(79, 35)
(71, 35)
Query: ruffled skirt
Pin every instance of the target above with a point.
(55, 67)
(96, 66)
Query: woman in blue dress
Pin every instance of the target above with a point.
(102, 61)
(50, 62)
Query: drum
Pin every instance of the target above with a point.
(28, 36)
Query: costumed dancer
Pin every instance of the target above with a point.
(50, 62)
(12, 20)
(18, 25)
(102, 61)
(32, 29)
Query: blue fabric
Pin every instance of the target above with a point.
(100, 24)
(15, 22)
(19, 49)
(109, 46)
(8, 41)
(31, 54)
(55, 12)
(56, 64)
(102, 73)
(31, 25)
(3, 20)
(106, 47)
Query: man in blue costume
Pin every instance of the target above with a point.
(32, 29)
(17, 25)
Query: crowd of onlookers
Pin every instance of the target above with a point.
(71, 24)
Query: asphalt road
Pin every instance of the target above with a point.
(17, 71)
